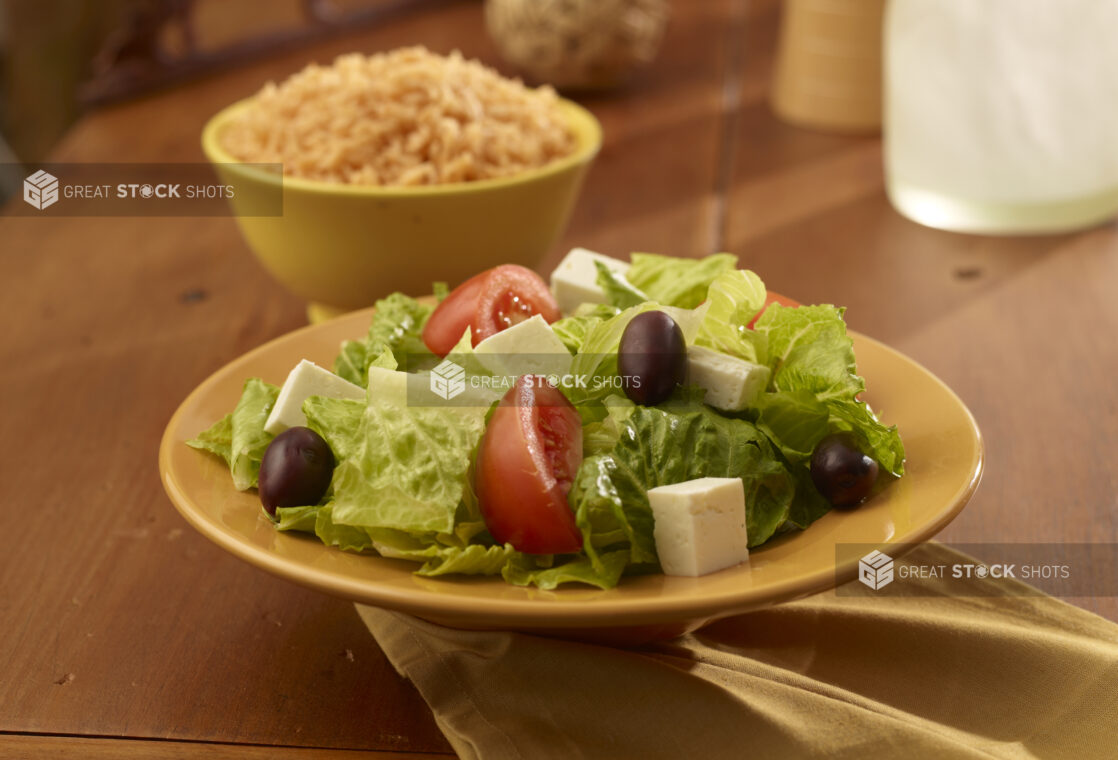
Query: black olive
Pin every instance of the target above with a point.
(296, 470)
(841, 472)
(652, 357)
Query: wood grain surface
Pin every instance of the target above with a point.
(121, 622)
(23, 746)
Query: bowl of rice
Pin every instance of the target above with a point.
(399, 168)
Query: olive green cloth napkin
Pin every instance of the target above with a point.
(931, 676)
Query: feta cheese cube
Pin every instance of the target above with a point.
(405, 389)
(530, 347)
(391, 384)
(306, 380)
(731, 383)
(700, 525)
(575, 280)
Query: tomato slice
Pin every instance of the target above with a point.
(453, 315)
(488, 303)
(511, 295)
(526, 463)
(770, 299)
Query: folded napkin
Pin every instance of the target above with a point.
(935, 675)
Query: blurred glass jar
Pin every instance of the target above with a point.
(828, 65)
(577, 44)
(1001, 116)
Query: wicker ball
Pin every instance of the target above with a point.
(577, 44)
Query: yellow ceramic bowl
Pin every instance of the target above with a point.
(343, 246)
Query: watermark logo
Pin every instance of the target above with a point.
(147, 189)
(448, 380)
(933, 569)
(875, 570)
(40, 190)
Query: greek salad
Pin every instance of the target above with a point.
(662, 415)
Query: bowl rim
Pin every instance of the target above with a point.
(585, 126)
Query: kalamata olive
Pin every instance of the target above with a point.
(296, 470)
(652, 357)
(841, 472)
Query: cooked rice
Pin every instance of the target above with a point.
(407, 117)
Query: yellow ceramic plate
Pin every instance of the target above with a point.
(944, 464)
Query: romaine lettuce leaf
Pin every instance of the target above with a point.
(345, 537)
(600, 435)
(677, 282)
(572, 330)
(217, 439)
(299, 519)
(525, 569)
(814, 373)
(338, 421)
(795, 420)
(385, 360)
(239, 437)
(409, 468)
(397, 326)
(678, 441)
(474, 559)
(611, 509)
(809, 505)
(442, 555)
(619, 291)
(735, 298)
(439, 554)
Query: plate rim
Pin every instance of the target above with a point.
(532, 613)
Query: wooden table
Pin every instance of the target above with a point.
(126, 634)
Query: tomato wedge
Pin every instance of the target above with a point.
(453, 315)
(770, 299)
(526, 463)
(511, 295)
(488, 303)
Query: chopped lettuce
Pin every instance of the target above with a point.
(338, 421)
(410, 467)
(815, 386)
(600, 435)
(239, 438)
(619, 291)
(474, 559)
(796, 420)
(572, 330)
(402, 485)
(397, 326)
(347, 537)
(527, 570)
(439, 554)
(735, 297)
(442, 555)
(677, 282)
(217, 439)
(300, 519)
(808, 506)
(679, 441)
(596, 361)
